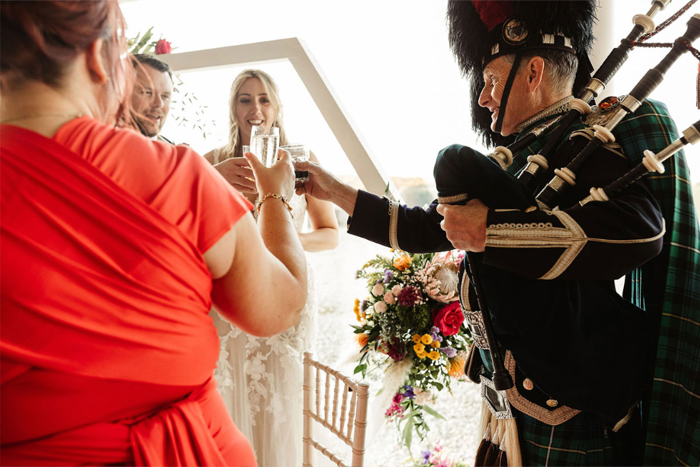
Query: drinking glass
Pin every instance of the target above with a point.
(264, 143)
(299, 153)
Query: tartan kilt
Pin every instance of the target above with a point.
(579, 441)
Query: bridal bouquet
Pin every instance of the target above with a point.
(411, 327)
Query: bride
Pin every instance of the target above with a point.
(261, 378)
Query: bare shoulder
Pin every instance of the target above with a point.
(210, 156)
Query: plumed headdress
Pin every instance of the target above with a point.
(482, 30)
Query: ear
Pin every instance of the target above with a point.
(95, 62)
(535, 73)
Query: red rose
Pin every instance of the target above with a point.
(449, 318)
(163, 47)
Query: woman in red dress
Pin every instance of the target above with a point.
(114, 248)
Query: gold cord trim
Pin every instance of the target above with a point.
(550, 417)
(394, 224)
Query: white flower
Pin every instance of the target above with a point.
(441, 280)
(423, 397)
(396, 290)
(378, 290)
(256, 368)
(380, 307)
(389, 298)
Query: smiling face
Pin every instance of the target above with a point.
(151, 99)
(253, 106)
(495, 77)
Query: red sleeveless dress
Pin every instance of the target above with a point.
(107, 350)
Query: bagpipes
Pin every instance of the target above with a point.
(464, 171)
(507, 192)
(651, 163)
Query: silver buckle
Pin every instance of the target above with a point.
(496, 400)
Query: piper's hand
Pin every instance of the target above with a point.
(465, 226)
(321, 183)
(276, 179)
(238, 173)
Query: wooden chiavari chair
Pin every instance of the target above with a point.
(339, 404)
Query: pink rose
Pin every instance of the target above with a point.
(380, 307)
(163, 47)
(396, 290)
(449, 318)
(378, 290)
(389, 298)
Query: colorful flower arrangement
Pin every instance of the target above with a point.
(413, 322)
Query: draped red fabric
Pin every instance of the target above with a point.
(107, 349)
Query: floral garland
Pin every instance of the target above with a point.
(144, 45)
(412, 327)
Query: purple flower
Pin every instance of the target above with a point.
(363, 305)
(409, 393)
(409, 296)
(449, 351)
(387, 275)
(425, 455)
(435, 334)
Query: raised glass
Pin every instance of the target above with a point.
(264, 143)
(298, 153)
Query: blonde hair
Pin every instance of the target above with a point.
(234, 146)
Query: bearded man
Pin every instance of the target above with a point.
(152, 95)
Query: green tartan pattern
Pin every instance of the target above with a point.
(673, 412)
(580, 441)
(673, 415)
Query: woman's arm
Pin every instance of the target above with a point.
(260, 271)
(324, 233)
(237, 172)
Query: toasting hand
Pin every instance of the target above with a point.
(324, 186)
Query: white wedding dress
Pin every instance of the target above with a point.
(261, 379)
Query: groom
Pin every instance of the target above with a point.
(152, 95)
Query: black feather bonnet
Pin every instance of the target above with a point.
(482, 30)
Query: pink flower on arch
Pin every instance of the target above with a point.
(163, 47)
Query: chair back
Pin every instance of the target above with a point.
(340, 405)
